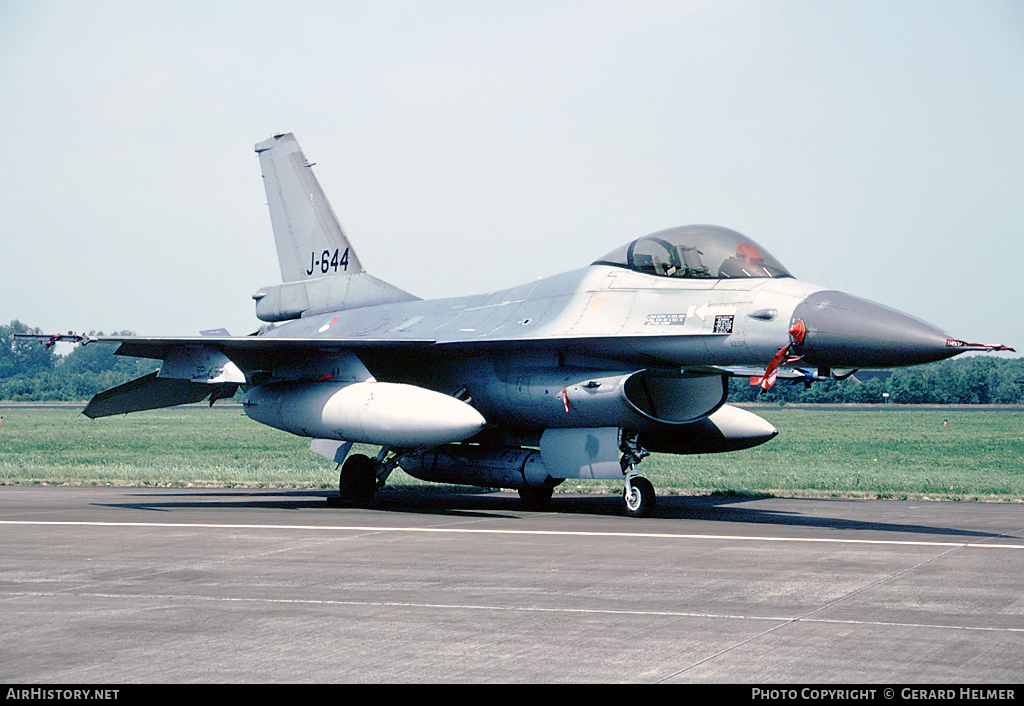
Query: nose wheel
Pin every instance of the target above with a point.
(638, 496)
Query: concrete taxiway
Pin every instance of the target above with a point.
(125, 585)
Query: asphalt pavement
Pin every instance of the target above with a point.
(171, 585)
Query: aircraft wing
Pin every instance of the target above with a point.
(243, 350)
(267, 353)
(152, 392)
(252, 352)
(200, 367)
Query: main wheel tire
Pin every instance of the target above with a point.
(640, 502)
(358, 479)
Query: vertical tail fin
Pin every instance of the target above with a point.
(319, 267)
(310, 241)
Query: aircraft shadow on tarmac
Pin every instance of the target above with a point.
(490, 504)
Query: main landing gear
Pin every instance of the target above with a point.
(537, 498)
(358, 479)
(361, 476)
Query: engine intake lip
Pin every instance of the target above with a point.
(674, 399)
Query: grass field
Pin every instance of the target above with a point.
(891, 452)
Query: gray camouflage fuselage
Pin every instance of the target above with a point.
(571, 329)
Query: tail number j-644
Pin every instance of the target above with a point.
(328, 261)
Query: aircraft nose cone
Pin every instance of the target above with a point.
(844, 331)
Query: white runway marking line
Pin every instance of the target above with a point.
(783, 621)
(980, 543)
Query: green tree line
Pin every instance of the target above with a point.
(31, 372)
(973, 380)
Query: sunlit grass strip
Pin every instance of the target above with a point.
(886, 453)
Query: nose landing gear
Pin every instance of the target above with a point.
(638, 496)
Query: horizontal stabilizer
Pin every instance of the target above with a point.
(330, 449)
(147, 392)
(324, 294)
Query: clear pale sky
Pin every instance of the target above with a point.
(466, 146)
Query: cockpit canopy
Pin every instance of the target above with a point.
(696, 252)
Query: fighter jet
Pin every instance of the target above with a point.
(579, 375)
